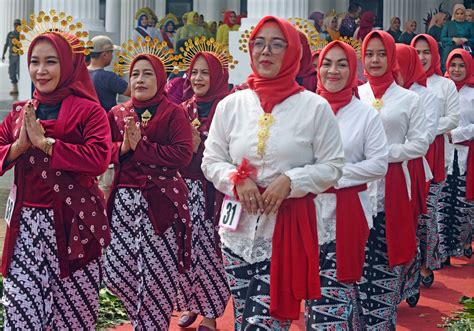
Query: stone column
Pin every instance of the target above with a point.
(160, 9)
(405, 9)
(85, 11)
(112, 16)
(128, 10)
(256, 10)
(233, 5)
(211, 9)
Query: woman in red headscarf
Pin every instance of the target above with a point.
(230, 24)
(306, 77)
(406, 135)
(57, 228)
(448, 99)
(270, 149)
(457, 201)
(365, 26)
(148, 208)
(412, 76)
(205, 290)
(345, 208)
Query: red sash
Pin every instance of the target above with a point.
(352, 233)
(418, 188)
(435, 158)
(400, 232)
(469, 170)
(294, 270)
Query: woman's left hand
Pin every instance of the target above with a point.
(33, 127)
(132, 129)
(275, 193)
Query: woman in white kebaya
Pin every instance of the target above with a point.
(412, 76)
(457, 202)
(345, 208)
(445, 90)
(273, 146)
(405, 128)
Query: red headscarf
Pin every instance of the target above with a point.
(337, 100)
(227, 18)
(380, 84)
(75, 79)
(435, 67)
(315, 54)
(272, 91)
(410, 66)
(307, 71)
(366, 24)
(219, 78)
(467, 58)
(160, 74)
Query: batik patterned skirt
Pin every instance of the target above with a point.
(339, 307)
(34, 296)
(427, 231)
(411, 276)
(203, 290)
(455, 215)
(140, 266)
(250, 289)
(379, 289)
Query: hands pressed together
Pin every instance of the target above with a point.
(267, 202)
(32, 133)
(131, 136)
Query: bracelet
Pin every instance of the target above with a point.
(17, 147)
(243, 171)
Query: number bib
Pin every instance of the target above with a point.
(230, 213)
(10, 204)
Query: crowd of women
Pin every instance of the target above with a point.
(343, 196)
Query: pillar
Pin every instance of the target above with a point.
(211, 9)
(112, 16)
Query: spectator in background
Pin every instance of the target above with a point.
(457, 33)
(184, 20)
(318, 19)
(229, 25)
(394, 29)
(366, 25)
(349, 23)
(168, 32)
(408, 32)
(192, 29)
(436, 25)
(469, 14)
(142, 27)
(212, 29)
(107, 83)
(13, 59)
(332, 28)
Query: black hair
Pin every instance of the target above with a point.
(353, 7)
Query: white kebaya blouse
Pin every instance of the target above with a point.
(304, 143)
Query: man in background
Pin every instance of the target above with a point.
(107, 86)
(107, 83)
(13, 59)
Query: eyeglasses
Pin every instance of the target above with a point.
(274, 47)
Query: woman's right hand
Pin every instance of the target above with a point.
(196, 138)
(250, 196)
(125, 147)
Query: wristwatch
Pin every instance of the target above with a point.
(48, 144)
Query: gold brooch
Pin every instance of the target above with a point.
(265, 121)
(145, 117)
(196, 123)
(377, 104)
